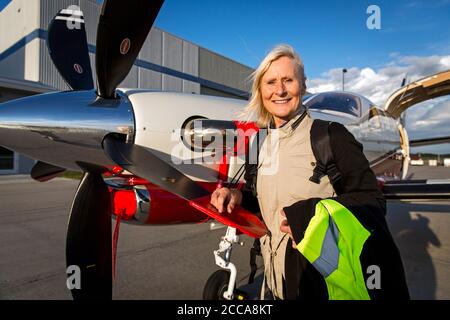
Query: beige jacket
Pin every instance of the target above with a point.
(286, 161)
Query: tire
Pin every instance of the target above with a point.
(216, 285)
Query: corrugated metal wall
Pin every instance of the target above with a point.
(152, 52)
(190, 66)
(91, 13)
(220, 69)
(172, 58)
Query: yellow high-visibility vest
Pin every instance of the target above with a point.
(333, 243)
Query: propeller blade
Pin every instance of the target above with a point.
(143, 163)
(122, 30)
(42, 171)
(89, 243)
(68, 48)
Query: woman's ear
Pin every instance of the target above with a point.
(303, 91)
(303, 88)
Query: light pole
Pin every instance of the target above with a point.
(344, 71)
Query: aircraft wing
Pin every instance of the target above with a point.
(417, 189)
(430, 87)
(428, 141)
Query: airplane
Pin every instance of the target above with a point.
(142, 152)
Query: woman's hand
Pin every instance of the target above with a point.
(226, 197)
(284, 227)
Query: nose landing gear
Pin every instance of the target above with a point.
(221, 284)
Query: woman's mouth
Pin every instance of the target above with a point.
(281, 101)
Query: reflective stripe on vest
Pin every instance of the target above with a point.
(333, 243)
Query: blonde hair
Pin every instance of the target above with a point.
(255, 109)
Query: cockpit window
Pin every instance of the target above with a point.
(336, 101)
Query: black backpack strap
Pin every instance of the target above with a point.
(254, 251)
(321, 147)
(252, 160)
(251, 174)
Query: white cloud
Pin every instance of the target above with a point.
(378, 85)
(430, 117)
(427, 119)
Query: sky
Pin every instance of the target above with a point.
(412, 39)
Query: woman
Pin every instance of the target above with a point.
(300, 260)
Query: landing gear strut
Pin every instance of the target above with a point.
(221, 284)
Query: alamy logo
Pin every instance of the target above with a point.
(216, 146)
(76, 17)
(374, 20)
(374, 280)
(74, 277)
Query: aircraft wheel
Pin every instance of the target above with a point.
(216, 285)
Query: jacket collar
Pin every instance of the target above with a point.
(288, 127)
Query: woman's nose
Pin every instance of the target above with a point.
(280, 88)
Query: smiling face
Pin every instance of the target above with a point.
(282, 89)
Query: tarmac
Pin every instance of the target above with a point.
(174, 262)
